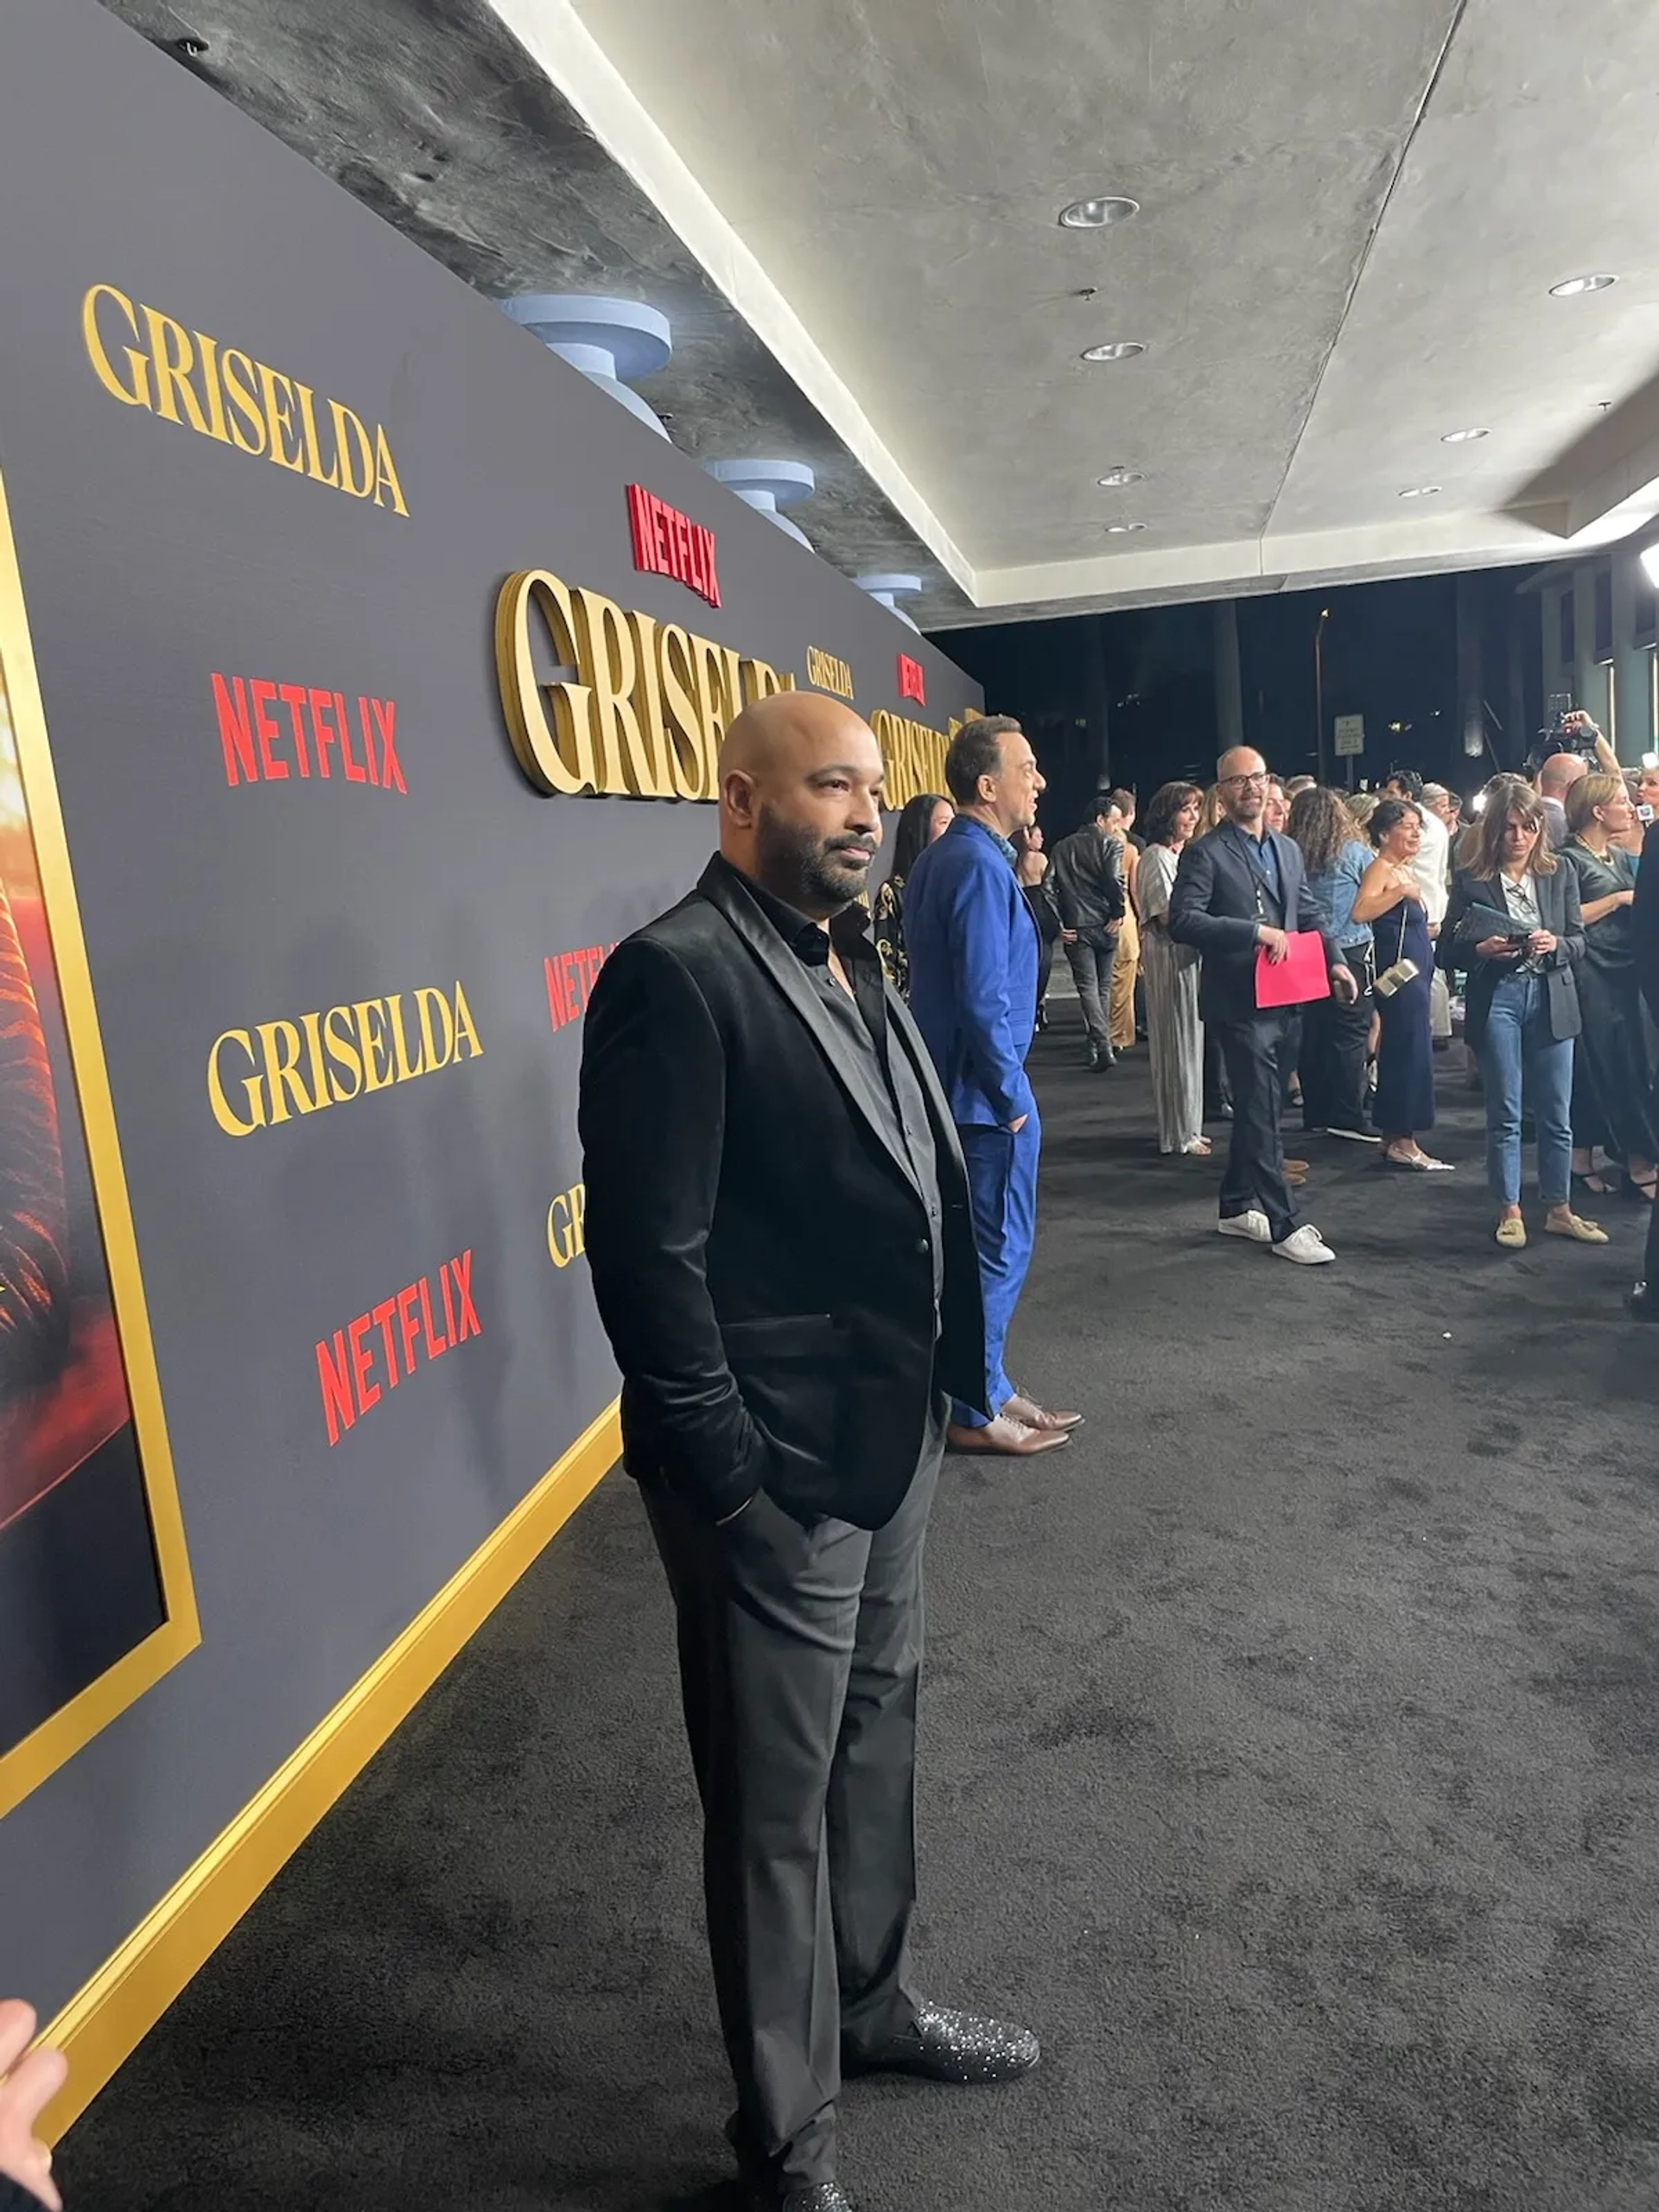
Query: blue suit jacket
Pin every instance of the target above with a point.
(973, 950)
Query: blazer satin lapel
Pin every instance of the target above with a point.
(764, 945)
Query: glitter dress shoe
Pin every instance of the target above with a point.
(1035, 1416)
(947, 2046)
(1003, 1439)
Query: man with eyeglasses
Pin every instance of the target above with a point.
(1238, 891)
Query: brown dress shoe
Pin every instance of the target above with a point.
(1034, 1417)
(1003, 1438)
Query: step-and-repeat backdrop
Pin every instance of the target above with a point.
(362, 690)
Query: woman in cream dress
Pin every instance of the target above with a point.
(1174, 1032)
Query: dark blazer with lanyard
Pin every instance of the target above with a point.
(1558, 913)
(1223, 891)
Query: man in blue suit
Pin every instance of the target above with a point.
(973, 950)
(1238, 890)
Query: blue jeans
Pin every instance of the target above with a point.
(1517, 1051)
(1002, 1191)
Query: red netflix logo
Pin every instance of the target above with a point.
(407, 1325)
(261, 746)
(668, 543)
(911, 680)
(570, 980)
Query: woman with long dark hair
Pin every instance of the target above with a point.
(1612, 1079)
(1174, 1032)
(923, 818)
(1522, 1008)
(1334, 1034)
(1036, 888)
(1390, 898)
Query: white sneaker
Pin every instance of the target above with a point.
(1306, 1247)
(1252, 1225)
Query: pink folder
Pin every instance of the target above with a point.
(1292, 982)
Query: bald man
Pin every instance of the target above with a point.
(778, 1232)
(1555, 779)
(1238, 892)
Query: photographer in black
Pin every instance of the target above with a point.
(1559, 759)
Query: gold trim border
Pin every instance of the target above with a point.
(73, 1725)
(101, 2027)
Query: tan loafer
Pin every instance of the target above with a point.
(1581, 1231)
(1512, 1235)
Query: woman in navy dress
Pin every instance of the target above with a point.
(1390, 899)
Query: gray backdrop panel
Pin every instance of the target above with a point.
(152, 556)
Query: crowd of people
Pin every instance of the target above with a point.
(1163, 929)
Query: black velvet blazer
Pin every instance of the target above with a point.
(759, 1244)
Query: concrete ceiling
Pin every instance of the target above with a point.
(1351, 217)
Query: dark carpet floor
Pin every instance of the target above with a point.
(1289, 1761)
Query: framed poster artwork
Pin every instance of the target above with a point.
(96, 1602)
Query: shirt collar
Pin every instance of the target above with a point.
(805, 939)
(969, 822)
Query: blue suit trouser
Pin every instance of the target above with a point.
(1003, 1191)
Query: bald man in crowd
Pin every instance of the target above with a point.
(1555, 779)
(778, 1232)
(1240, 893)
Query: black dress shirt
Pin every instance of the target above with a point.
(861, 1019)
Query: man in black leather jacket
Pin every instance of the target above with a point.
(1092, 895)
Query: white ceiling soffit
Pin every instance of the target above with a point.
(1352, 218)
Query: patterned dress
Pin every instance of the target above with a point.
(1174, 1032)
(888, 930)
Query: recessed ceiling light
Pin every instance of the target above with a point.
(1463, 437)
(1420, 491)
(1113, 477)
(1114, 528)
(1122, 349)
(1095, 214)
(1574, 285)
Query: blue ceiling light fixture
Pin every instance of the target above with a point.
(1096, 214)
(890, 589)
(613, 342)
(769, 486)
